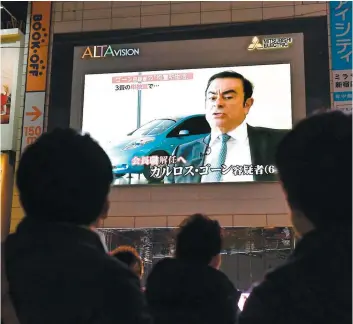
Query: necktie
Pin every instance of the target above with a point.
(218, 160)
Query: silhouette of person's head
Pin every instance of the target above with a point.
(314, 162)
(65, 177)
(129, 256)
(199, 240)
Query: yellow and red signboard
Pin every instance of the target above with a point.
(38, 46)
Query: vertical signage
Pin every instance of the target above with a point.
(38, 51)
(341, 53)
(36, 76)
(33, 119)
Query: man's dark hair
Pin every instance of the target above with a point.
(247, 85)
(314, 161)
(129, 256)
(198, 240)
(64, 177)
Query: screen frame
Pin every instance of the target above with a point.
(195, 57)
(192, 54)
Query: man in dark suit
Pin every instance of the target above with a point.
(234, 151)
(57, 265)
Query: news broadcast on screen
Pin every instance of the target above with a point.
(167, 126)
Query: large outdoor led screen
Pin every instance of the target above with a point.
(206, 125)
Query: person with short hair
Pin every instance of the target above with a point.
(190, 288)
(57, 266)
(314, 162)
(129, 256)
(232, 142)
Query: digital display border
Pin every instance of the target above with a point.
(196, 54)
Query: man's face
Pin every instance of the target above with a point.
(225, 108)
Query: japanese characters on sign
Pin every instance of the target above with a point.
(153, 78)
(158, 171)
(342, 86)
(121, 87)
(155, 160)
(341, 52)
(341, 34)
(166, 165)
(138, 82)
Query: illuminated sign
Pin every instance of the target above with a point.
(341, 54)
(36, 84)
(102, 51)
(270, 43)
(38, 46)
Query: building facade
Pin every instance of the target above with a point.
(89, 23)
(255, 214)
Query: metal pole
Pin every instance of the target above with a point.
(139, 105)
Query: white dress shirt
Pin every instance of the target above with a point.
(238, 153)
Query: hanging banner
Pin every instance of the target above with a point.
(341, 53)
(36, 76)
(12, 41)
(38, 46)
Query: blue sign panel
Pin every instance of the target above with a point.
(341, 34)
(342, 96)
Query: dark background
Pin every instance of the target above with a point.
(247, 253)
(316, 56)
(15, 15)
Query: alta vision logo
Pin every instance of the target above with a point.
(102, 51)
